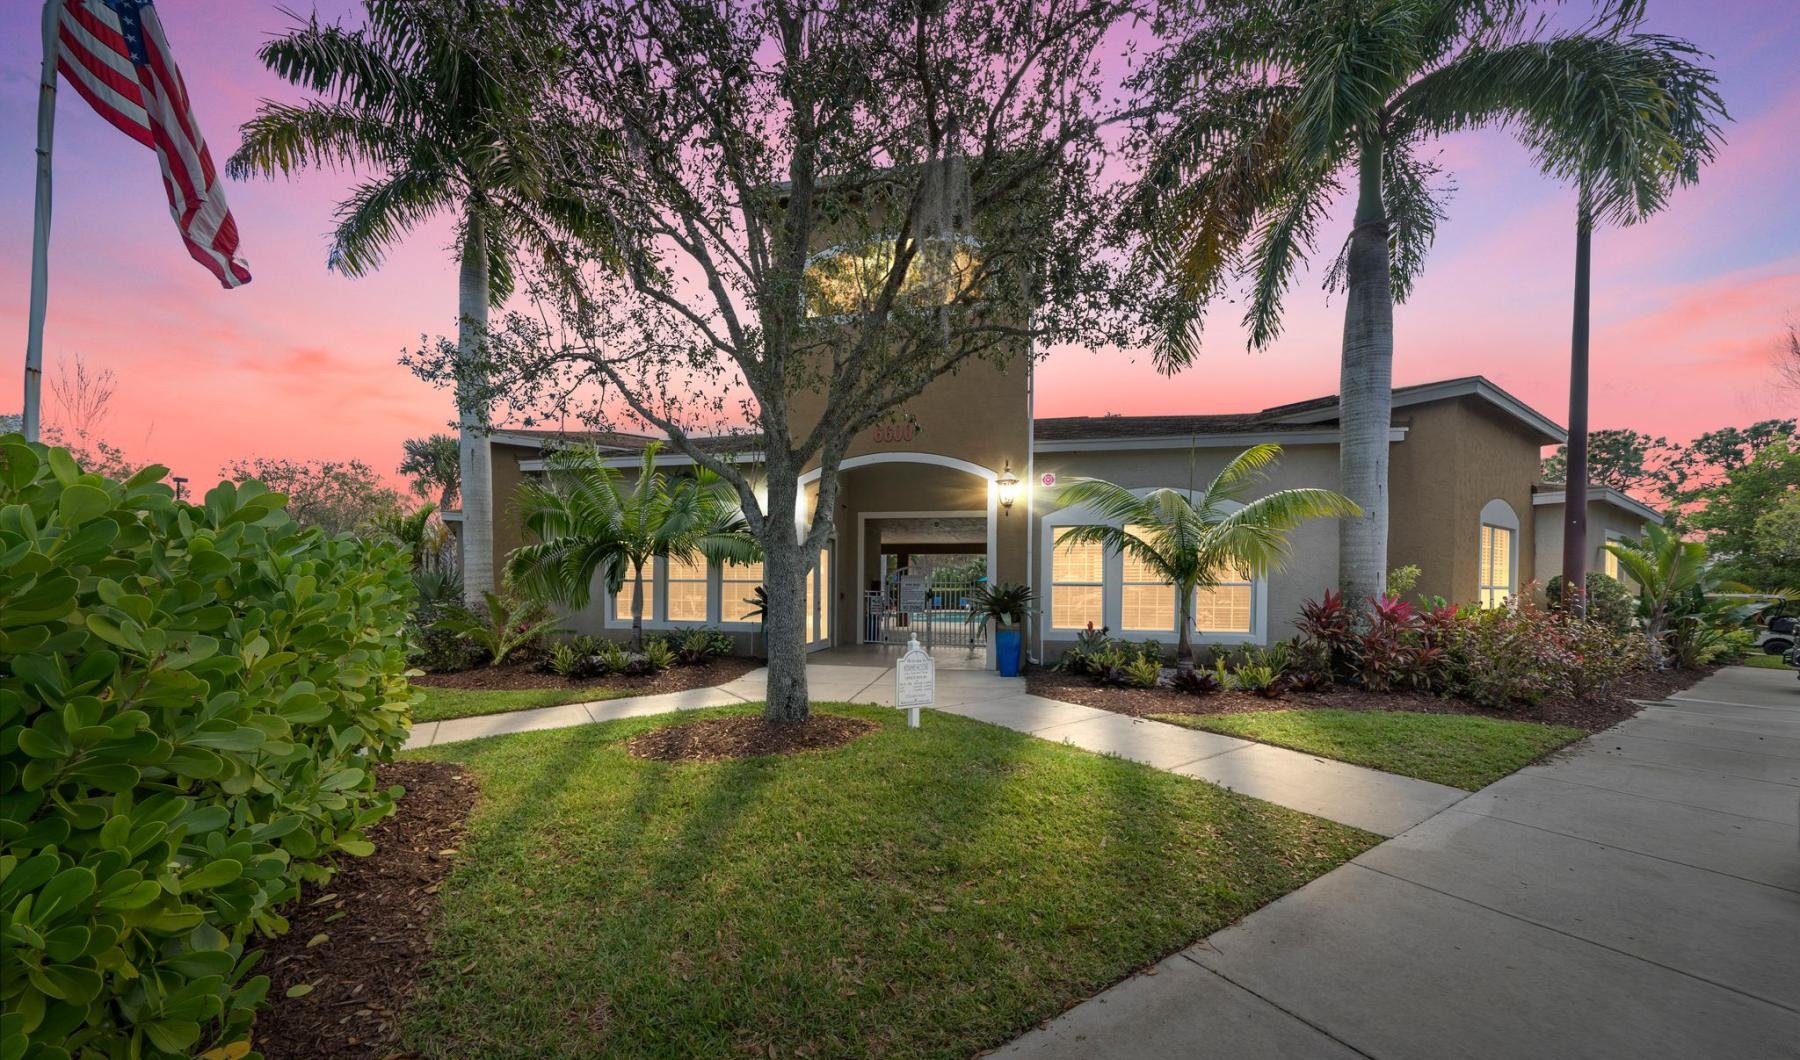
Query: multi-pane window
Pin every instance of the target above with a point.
(1147, 602)
(737, 591)
(1077, 582)
(622, 601)
(1225, 607)
(687, 590)
(1496, 577)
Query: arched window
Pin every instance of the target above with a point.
(1497, 577)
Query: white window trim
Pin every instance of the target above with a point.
(1113, 592)
(1499, 515)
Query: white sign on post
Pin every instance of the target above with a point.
(915, 681)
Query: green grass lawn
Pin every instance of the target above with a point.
(1765, 662)
(441, 703)
(924, 892)
(1461, 750)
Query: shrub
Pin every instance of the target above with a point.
(507, 624)
(1403, 580)
(697, 645)
(611, 658)
(1257, 680)
(430, 647)
(1196, 682)
(1143, 672)
(565, 660)
(191, 700)
(1152, 649)
(658, 655)
(1521, 653)
(1607, 601)
(1080, 658)
(1333, 626)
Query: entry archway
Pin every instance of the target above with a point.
(896, 503)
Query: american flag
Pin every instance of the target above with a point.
(116, 55)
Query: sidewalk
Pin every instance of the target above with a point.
(1365, 798)
(1638, 895)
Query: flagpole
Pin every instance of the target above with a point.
(40, 228)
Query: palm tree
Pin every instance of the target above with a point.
(1678, 582)
(588, 522)
(1692, 113)
(434, 464)
(417, 532)
(1305, 97)
(417, 100)
(1191, 538)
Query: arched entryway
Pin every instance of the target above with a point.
(884, 501)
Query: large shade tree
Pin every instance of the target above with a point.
(835, 202)
(591, 523)
(408, 101)
(1194, 538)
(1266, 112)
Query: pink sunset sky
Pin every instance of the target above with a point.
(1688, 308)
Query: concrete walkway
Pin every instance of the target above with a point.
(1638, 895)
(1366, 798)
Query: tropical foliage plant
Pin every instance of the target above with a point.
(1192, 538)
(1261, 115)
(1678, 586)
(437, 126)
(590, 523)
(192, 701)
(1006, 604)
(505, 624)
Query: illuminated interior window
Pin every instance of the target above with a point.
(1226, 606)
(687, 590)
(737, 591)
(1077, 583)
(1609, 563)
(1496, 581)
(1147, 602)
(848, 280)
(622, 600)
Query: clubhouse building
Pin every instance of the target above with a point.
(966, 487)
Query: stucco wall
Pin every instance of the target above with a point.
(1605, 522)
(1458, 455)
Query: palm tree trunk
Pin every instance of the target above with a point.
(477, 475)
(1574, 556)
(1366, 391)
(1184, 645)
(785, 618)
(637, 606)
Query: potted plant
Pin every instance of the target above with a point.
(1007, 605)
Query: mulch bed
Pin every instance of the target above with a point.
(746, 736)
(376, 917)
(526, 675)
(1592, 714)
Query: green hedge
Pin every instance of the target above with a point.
(192, 698)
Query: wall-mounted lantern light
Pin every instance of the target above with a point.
(1009, 488)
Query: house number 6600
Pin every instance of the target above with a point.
(894, 432)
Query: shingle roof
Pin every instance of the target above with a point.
(1082, 428)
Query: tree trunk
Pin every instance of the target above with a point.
(1184, 645)
(477, 476)
(1366, 392)
(784, 624)
(1574, 555)
(637, 607)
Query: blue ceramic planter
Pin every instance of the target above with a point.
(1008, 644)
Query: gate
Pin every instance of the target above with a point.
(934, 609)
